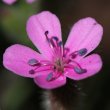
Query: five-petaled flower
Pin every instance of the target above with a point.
(55, 62)
(10, 2)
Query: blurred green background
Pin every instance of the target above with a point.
(18, 93)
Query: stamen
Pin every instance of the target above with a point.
(73, 55)
(33, 62)
(65, 51)
(79, 70)
(31, 71)
(60, 43)
(65, 59)
(49, 77)
(82, 52)
(55, 38)
(46, 34)
(53, 42)
(50, 42)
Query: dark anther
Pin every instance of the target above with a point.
(55, 38)
(82, 52)
(53, 41)
(31, 71)
(49, 77)
(79, 70)
(33, 62)
(46, 34)
(60, 43)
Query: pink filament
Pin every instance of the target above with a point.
(63, 59)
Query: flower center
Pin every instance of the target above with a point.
(62, 60)
(59, 66)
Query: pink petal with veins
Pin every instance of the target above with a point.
(86, 33)
(92, 64)
(41, 81)
(36, 27)
(16, 59)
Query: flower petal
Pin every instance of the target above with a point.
(92, 64)
(41, 81)
(86, 33)
(9, 2)
(16, 59)
(37, 25)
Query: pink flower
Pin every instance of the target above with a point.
(54, 63)
(10, 2)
